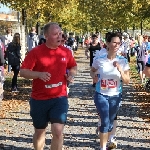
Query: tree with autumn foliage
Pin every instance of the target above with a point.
(85, 15)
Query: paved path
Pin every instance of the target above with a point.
(16, 126)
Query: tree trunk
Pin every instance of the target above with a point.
(23, 42)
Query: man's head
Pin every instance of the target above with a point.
(94, 37)
(63, 40)
(33, 29)
(53, 35)
(145, 38)
(125, 36)
(16, 38)
(9, 31)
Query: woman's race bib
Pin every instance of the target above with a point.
(108, 84)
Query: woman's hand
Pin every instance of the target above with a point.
(124, 74)
(116, 64)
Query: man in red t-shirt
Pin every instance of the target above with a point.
(46, 64)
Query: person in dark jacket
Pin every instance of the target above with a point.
(13, 55)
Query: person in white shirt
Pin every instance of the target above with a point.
(8, 39)
(32, 39)
(112, 70)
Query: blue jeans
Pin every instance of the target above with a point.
(107, 107)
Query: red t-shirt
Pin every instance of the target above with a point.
(44, 59)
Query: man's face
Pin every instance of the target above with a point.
(54, 36)
(94, 39)
(9, 31)
(33, 29)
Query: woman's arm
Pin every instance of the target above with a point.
(125, 75)
(93, 72)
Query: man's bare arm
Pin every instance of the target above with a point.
(73, 71)
(29, 74)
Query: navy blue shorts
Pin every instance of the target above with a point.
(53, 110)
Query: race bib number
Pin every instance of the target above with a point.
(108, 84)
(49, 86)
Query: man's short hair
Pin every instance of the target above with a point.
(94, 36)
(33, 28)
(48, 25)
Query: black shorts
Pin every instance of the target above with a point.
(140, 65)
(52, 110)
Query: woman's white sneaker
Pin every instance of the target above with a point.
(112, 144)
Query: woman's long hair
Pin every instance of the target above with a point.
(16, 39)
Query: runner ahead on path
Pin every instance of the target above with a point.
(92, 47)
